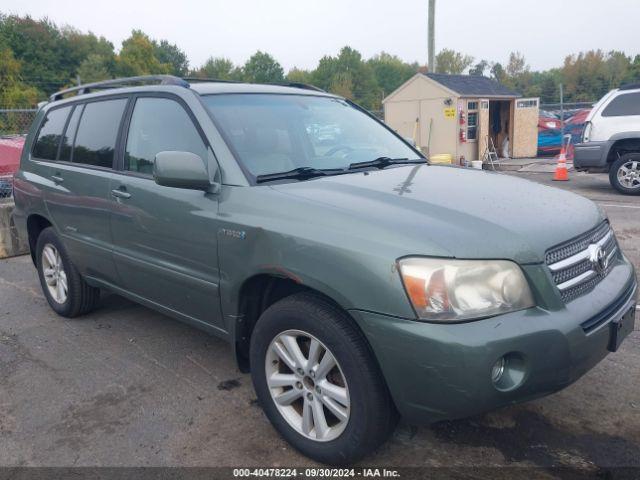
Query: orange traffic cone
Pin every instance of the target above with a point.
(561, 174)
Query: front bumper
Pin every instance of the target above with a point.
(437, 372)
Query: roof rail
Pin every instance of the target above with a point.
(119, 82)
(304, 86)
(630, 86)
(205, 80)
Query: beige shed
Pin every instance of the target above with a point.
(459, 115)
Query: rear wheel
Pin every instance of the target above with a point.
(318, 382)
(63, 286)
(624, 174)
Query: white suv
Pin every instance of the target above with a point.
(611, 139)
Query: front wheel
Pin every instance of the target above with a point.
(624, 174)
(318, 382)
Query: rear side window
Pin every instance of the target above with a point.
(46, 146)
(157, 125)
(623, 106)
(69, 134)
(96, 138)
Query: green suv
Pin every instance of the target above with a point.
(356, 282)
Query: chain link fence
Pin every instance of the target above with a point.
(14, 124)
(16, 121)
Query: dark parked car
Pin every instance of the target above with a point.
(354, 280)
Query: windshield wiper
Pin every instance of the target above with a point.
(300, 173)
(383, 162)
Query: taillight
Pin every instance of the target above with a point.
(586, 135)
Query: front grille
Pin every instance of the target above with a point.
(572, 269)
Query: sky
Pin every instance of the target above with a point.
(299, 32)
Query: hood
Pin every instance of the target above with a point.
(456, 212)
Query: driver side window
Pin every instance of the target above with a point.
(157, 125)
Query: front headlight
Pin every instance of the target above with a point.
(445, 290)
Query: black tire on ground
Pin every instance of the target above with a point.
(613, 174)
(81, 297)
(372, 417)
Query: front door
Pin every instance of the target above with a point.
(165, 240)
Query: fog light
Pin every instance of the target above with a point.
(497, 370)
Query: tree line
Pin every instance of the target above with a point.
(38, 57)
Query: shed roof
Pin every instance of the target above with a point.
(472, 85)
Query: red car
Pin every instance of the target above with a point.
(10, 151)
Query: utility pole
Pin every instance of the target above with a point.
(432, 36)
(562, 111)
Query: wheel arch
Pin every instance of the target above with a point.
(623, 143)
(259, 292)
(36, 223)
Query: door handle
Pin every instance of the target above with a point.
(117, 193)
(57, 178)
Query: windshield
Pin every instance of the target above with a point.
(278, 133)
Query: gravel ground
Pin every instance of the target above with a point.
(126, 386)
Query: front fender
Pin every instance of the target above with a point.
(356, 273)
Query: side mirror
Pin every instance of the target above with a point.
(181, 170)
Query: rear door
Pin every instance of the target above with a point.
(78, 199)
(165, 239)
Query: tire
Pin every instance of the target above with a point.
(629, 164)
(306, 316)
(80, 297)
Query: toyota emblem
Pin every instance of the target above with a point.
(598, 258)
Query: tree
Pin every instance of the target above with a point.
(479, 68)
(497, 72)
(262, 68)
(517, 65)
(219, 68)
(137, 57)
(633, 72)
(390, 72)
(170, 54)
(586, 76)
(79, 46)
(297, 75)
(452, 62)
(39, 47)
(348, 73)
(14, 93)
(95, 68)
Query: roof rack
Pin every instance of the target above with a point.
(161, 80)
(630, 86)
(119, 82)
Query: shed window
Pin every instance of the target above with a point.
(527, 103)
(472, 121)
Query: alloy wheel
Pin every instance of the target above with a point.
(307, 385)
(54, 274)
(629, 174)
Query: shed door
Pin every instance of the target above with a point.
(483, 127)
(525, 128)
